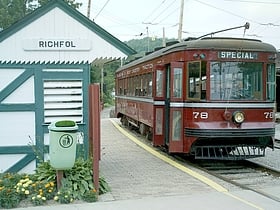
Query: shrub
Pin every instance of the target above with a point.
(77, 183)
(64, 196)
(90, 196)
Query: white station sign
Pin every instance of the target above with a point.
(56, 45)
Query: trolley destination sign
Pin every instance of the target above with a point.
(238, 55)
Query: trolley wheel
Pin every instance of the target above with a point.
(143, 129)
(124, 121)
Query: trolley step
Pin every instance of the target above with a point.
(232, 152)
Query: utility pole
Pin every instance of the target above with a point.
(181, 21)
(88, 10)
(148, 38)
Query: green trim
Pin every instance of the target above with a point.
(39, 112)
(21, 164)
(28, 19)
(85, 125)
(15, 83)
(28, 158)
(7, 150)
(16, 107)
(62, 75)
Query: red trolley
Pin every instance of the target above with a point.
(213, 98)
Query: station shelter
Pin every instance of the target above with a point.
(45, 61)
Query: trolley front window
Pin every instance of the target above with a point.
(196, 78)
(236, 81)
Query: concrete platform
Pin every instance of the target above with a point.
(142, 179)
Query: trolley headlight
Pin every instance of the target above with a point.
(238, 117)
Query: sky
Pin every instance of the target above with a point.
(135, 19)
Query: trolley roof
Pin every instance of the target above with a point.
(220, 43)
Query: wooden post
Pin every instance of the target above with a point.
(94, 131)
(59, 176)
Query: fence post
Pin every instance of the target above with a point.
(94, 131)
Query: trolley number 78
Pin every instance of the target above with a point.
(200, 115)
(268, 115)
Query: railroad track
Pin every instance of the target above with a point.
(243, 174)
(277, 144)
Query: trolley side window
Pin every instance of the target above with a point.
(159, 83)
(196, 80)
(150, 84)
(120, 84)
(145, 85)
(177, 83)
(270, 84)
(176, 134)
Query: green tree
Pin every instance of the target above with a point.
(14, 10)
(74, 4)
(109, 70)
(146, 44)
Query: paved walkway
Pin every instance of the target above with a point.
(134, 173)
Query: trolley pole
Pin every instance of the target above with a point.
(181, 21)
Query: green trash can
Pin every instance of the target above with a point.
(63, 143)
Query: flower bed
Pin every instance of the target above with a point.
(40, 188)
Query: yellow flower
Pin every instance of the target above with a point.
(47, 185)
(44, 198)
(25, 185)
(55, 198)
(26, 192)
(52, 184)
(39, 196)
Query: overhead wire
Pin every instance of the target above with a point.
(226, 11)
(255, 2)
(259, 24)
(101, 9)
(164, 10)
(172, 12)
(154, 10)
